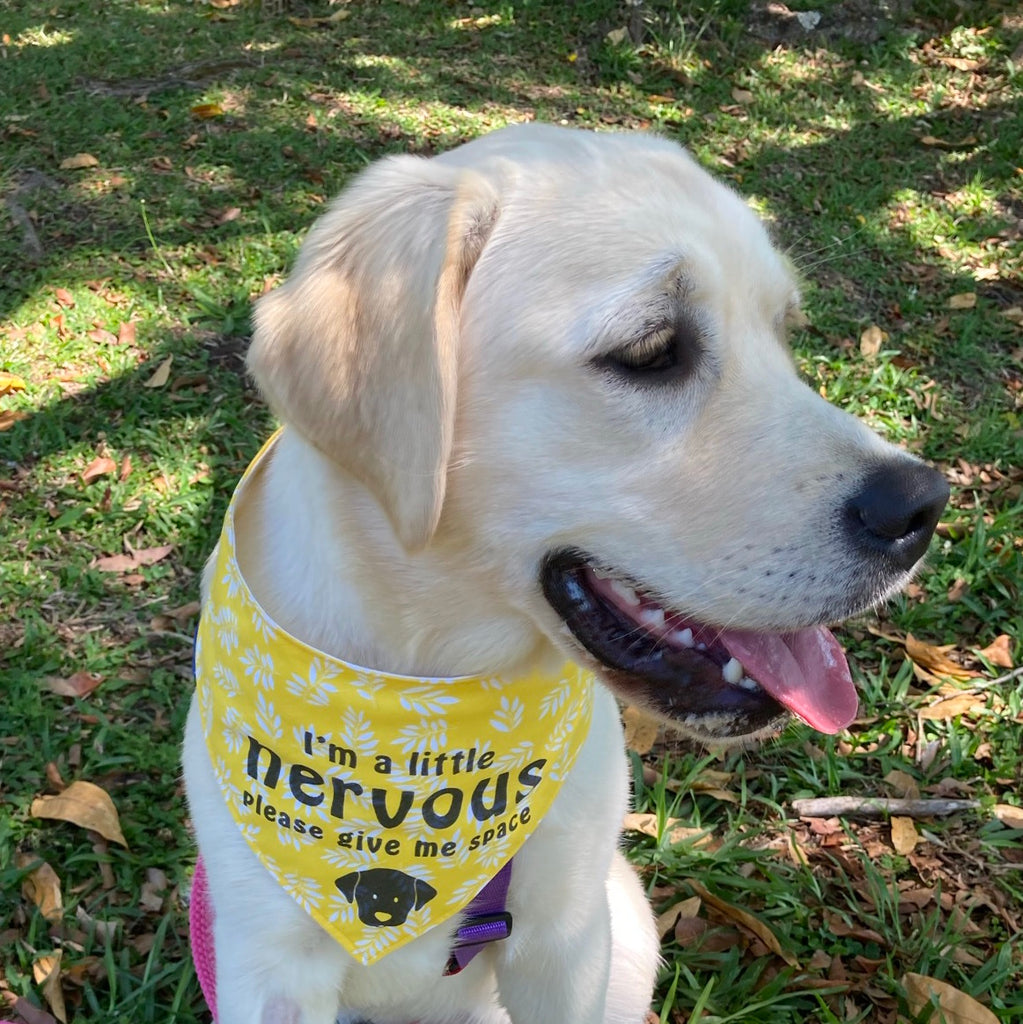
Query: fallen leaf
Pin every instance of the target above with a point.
(125, 470)
(903, 784)
(206, 111)
(10, 382)
(743, 96)
(42, 887)
(955, 1007)
(161, 375)
(964, 300)
(84, 804)
(842, 930)
(999, 652)
(640, 730)
(126, 333)
(81, 684)
(29, 1013)
(745, 920)
(966, 143)
(648, 824)
(617, 36)
(871, 341)
(64, 298)
(1009, 815)
(959, 589)
(904, 835)
(667, 921)
(953, 707)
(46, 971)
(8, 417)
(78, 162)
(99, 467)
(126, 563)
(960, 63)
(934, 658)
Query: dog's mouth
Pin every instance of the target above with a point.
(717, 683)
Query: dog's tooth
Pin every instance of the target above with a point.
(684, 637)
(625, 592)
(732, 671)
(701, 647)
(652, 617)
(749, 684)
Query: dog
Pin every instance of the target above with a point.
(540, 424)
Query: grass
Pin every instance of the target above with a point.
(886, 153)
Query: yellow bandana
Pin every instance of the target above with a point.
(382, 804)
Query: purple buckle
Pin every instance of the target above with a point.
(487, 920)
(476, 932)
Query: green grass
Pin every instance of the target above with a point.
(157, 250)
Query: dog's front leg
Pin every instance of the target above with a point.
(559, 971)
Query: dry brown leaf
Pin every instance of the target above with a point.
(8, 417)
(904, 835)
(648, 824)
(161, 375)
(871, 341)
(86, 805)
(46, 971)
(903, 784)
(80, 684)
(964, 300)
(78, 162)
(1009, 815)
(126, 333)
(25, 1010)
(743, 96)
(42, 887)
(99, 467)
(134, 560)
(959, 589)
(953, 707)
(10, 382)
(206, 111)
(667, 921)
(955, 1007)
(960, 63)
(964, 143)
(640, 730)
(745, 920)
(934, 659)
(999, 652)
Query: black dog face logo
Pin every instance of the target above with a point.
(383, 896)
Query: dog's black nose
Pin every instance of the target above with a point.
(895, 512)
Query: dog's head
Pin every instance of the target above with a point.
(566, 353)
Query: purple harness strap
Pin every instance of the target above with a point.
(486, 920)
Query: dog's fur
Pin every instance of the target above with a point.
(437, 357)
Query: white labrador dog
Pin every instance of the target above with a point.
(538, 403)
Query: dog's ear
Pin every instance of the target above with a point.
(358, 349)
(348, 884)
(424, 893)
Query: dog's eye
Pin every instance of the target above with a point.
(661, 356)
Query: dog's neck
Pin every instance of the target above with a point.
(319, 554)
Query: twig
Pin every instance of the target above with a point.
(986, 684)
(879, 807)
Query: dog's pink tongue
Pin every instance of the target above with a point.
(805, 671)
